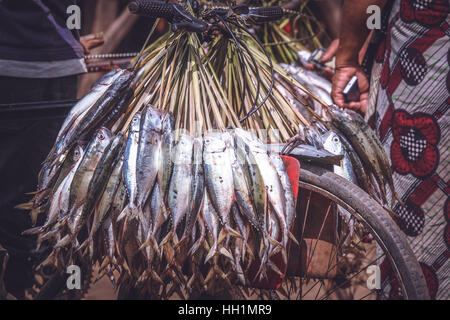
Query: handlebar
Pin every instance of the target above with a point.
(266, 14)
(180, 18)
(173, 12)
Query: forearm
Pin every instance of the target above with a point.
(353, 30)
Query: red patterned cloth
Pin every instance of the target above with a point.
(409, 108)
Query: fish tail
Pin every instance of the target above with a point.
(136, 212)
(274, 267)
(261, 270)
(212, 252)
(240, 273)
(181, 241)
(64, 241)
(210, 275)
(105, 262)
(292, 237)
(167, 238)
(151, 241)
(32, 231)
(232, 232)
(196, 246)
(396, 196)
(25, 206)
(34, 215)
(125, 212)
(91, 247)
(86, 244)
(226, 253)
(156, 277)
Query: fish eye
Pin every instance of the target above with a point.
(101, 137)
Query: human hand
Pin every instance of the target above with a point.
(328, 55)
(340, 79)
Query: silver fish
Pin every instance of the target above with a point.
(259, 156)
(149, 151)
(332, 143)
(197, 189)
(180, 183)
(218, 173)
(130, 164)
(288, 192)
(84, 173)
(167, 152)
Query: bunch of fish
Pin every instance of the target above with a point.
(345, 133)
(158, 205)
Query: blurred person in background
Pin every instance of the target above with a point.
(407, 102)
(40, 59)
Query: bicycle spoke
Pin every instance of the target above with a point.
(346, 281)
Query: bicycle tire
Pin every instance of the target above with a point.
(368, 210)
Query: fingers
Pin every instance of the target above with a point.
(309, 66)
(340, 80)
(331, 51)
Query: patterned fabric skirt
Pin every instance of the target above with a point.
(409, 109)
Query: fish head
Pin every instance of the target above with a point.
(213, 142)
(103, 136)
(135, 122)
(332, 143)
(248, 140)
(153, 118)
(183, 149)
(77, 153)
(197, 150)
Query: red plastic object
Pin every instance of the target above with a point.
(273, 280)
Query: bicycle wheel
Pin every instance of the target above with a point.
(381, 244)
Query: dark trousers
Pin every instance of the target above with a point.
(24, 144)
